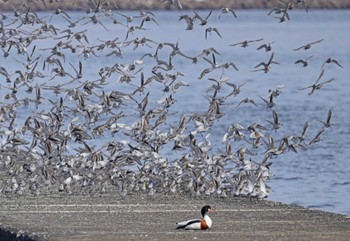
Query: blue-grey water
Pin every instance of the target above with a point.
(318, 177)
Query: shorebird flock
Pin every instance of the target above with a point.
(63, 131)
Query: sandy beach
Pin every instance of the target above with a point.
(138, 217)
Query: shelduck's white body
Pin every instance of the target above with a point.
(198, 224)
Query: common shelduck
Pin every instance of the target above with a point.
(198, 224)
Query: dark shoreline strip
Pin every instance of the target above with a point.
(83, 5)
(7, 234)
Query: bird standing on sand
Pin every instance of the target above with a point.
(198, 224)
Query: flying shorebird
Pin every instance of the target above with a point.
(329, 61)
(206, 52)
(307, 46)
(317, 138)
(275, 123)
(247, 100)
(276, 92)
(267, 46)
(303, 133)
(204, 21)
(148, 17)
(269, 103)
(210, 29)
(218, 84)
(327, 123)
(227, 10)
(236, 89)
(61, 11)
(79, 74)
(245, 43)
(266, 66)
(304, 62)
(316, 85)
(284, 16)
(189, 21)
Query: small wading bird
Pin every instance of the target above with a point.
(227, 10)
(317, 138)
(247, 100)
(303, 133)
(267, 46)
(211, 29)
(198, 224)
(316, 85)
(327, 123)
(245, 43)
(275, 123)
(304, 62)
(203, 21)
(269, 102)
(329, 61)
(266, 66)
(189, 21)
(307, 46)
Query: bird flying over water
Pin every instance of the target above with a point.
(245, 43)
(327, 123)
(211, 29)
(203, 21)
(267, 46)
(304, 62)
(308, 46)
(266, 66)
(227, 10)
(331, 60)
(317, 85)
(247, 100)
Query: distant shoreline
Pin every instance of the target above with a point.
(83, 5)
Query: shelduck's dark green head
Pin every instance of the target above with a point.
(206, 209)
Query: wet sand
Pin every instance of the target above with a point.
(138, 217)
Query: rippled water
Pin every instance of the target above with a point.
(317, 178)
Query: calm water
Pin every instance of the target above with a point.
(317, 178)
